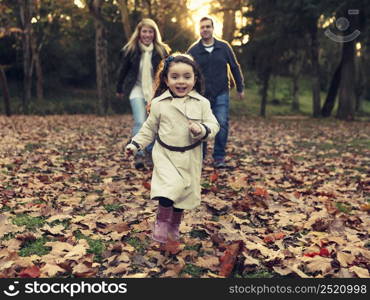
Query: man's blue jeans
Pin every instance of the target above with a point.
(138, 107)
(220, 108)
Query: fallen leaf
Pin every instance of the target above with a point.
(360, 272)
(172, 247)
(31, 272)
(345, 259)
(272, 237)
(208, 262)
(228, 259)
(51, 270)
(213, 177)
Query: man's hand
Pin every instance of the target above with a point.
(241, 95)
(194, 128)
(130, 150)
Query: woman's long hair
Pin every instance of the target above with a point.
(131, 46)
(164, 66)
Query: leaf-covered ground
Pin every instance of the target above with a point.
(294, 202)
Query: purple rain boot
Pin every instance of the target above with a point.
(161, 224)
(173, 228)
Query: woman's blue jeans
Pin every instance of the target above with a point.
(138, 107)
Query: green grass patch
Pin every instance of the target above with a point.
(36, 247)
(8, 236)
(10, 167)
(193, 270)
(31, 223)
(195, 247)
(299, 158)
(304, 144)
(263, 273)
(96, 247)
(135, 242)
(5, 208)
(30, 147)
(360, 143)
(95, 178)
(112, 207)
(344, 208)
(215, 218)
(200, 234)
(66, 223)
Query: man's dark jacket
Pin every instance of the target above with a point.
(214, 67)
(129, 70)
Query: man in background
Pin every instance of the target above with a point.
(214, 57)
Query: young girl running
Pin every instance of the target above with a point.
(180, 120)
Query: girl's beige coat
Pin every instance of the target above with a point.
(176, 175)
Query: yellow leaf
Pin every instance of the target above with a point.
(318, 263)
(360, 272)
(345, 259)
(208, 262)
(51, 270)
(53, 230)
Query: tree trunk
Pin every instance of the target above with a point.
(229, 25)
(360, 82)
(36, 62)
(347, 97)
(25, 17)
(295, 88)
(295, 70)
(122, 4)
(273, 89)
(332, 93)
(264, 91)
(315, 71)
(101, 53)
(4, 88)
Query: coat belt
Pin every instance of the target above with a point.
(178, 149)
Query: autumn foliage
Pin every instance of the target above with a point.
(293, 202)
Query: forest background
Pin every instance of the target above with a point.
(295, 198)
(62, 57)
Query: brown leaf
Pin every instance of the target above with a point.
(321, 224)
(365, 207)
(213, 177)
(26, 237)
(172, 247)
(228, 259)
(44, 179)
(261, 192)
(272, 237)
(31, 272)
(146, 185)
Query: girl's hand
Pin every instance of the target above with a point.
(148, 105)
(194, 128)
(130, 150)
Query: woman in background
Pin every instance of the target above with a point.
(140, 59)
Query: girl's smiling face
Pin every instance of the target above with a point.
(180, 79)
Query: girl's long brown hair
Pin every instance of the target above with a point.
(164, 66)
